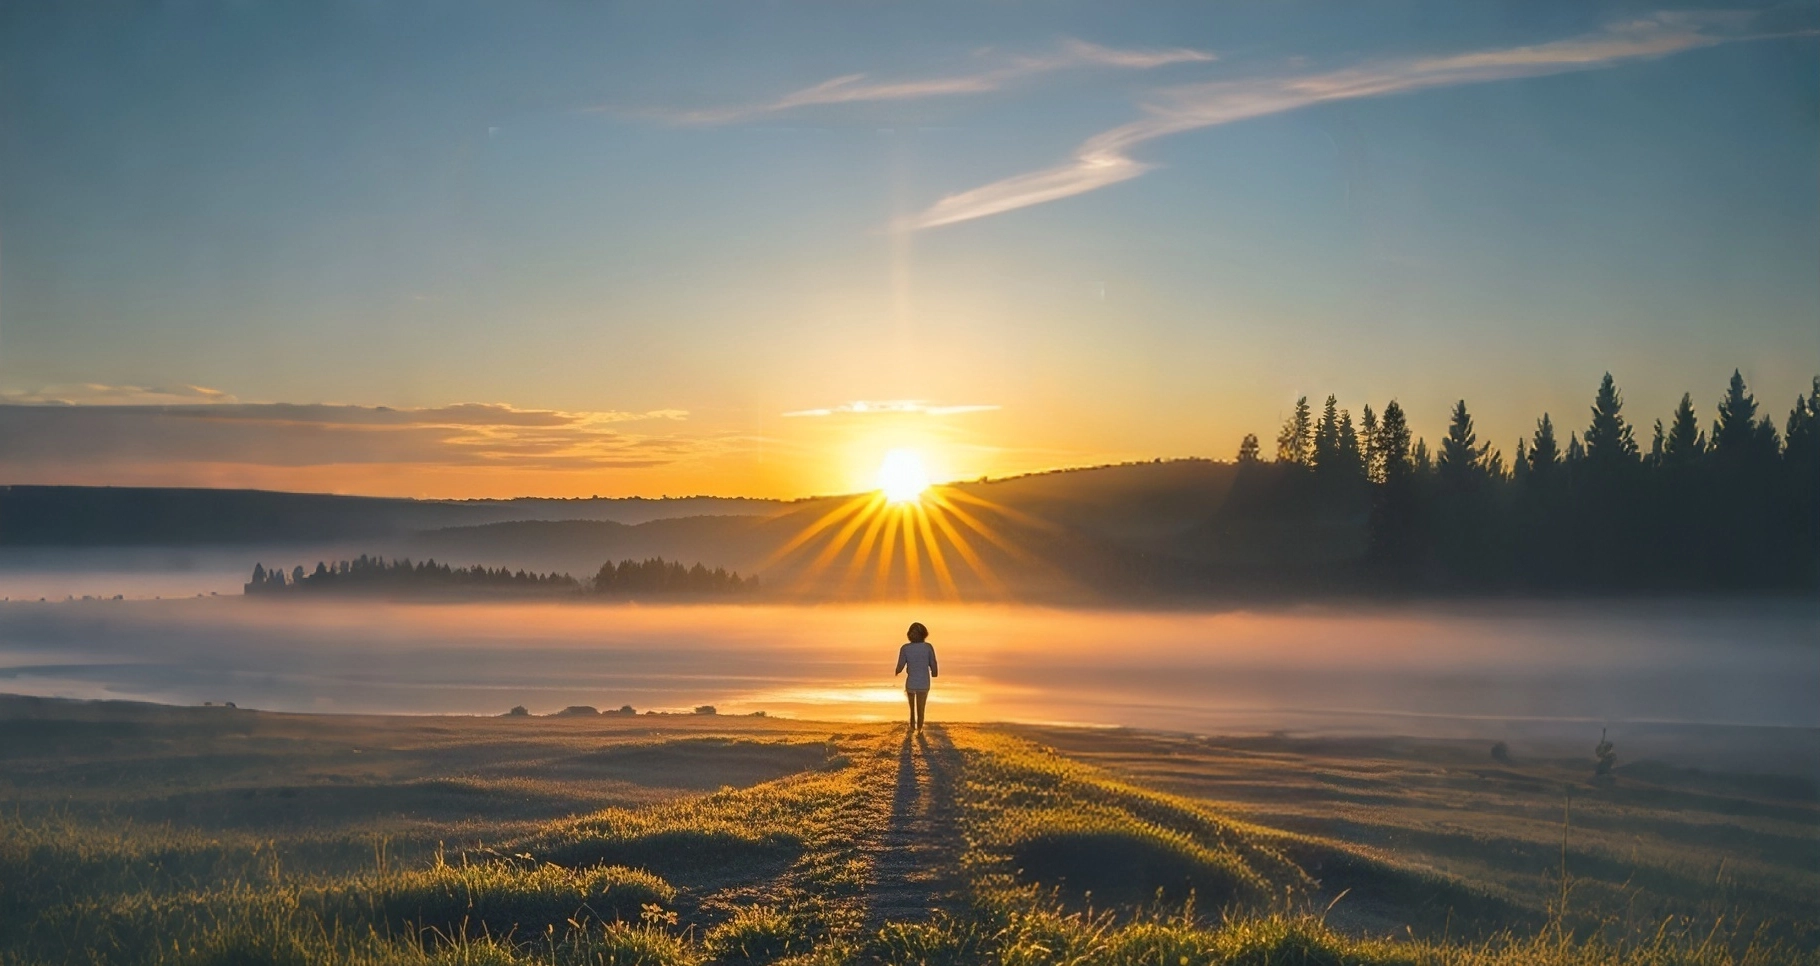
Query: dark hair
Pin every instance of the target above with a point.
(918, 632)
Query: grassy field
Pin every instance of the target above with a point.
(136, 834)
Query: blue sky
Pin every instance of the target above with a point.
(1077, 232)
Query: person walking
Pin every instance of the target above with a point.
(917, 656)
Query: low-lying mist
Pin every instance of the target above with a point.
(1536, 671)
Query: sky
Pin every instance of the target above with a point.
(459, 249)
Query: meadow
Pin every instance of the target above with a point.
(144, 834)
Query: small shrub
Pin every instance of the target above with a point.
(1122, 860)
(498, 898)
(1162, 943)
(941, 942)
(684, 851)
(1605, 756)
(1301, 941)
(757, 935)
(620, 944)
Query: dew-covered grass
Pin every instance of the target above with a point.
(1056, 859)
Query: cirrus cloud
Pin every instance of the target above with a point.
(1105, 159)
(45, 433)
(855, 88)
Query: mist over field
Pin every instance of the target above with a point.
(1546, 671)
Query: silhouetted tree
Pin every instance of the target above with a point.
(368, 574)
(1683, 444)
(1327, 437)
(1465, 530)
(1801, 439)
(1605, 756)
(1395, 534)
(660, 576)
(1350, 462)
(1609, 440)
(1393, 442)
(1463, 462)
(1765, 442)
(1373, 454)
(1295, 443)
(1737, 509)
(1544, 454)
(1801, 488)
(1735, 431)
(1248, 448)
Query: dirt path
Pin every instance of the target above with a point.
(916, 868)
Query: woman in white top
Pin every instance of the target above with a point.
(918, 657)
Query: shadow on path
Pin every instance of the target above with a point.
(916, 871)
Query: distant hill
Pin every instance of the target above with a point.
(1111, 532)
(93, 516)
(1121, 532)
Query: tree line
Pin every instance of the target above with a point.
(1732, 507)
(371, 573)
(657, 575)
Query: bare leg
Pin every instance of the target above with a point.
(921, 709)
(910, 696)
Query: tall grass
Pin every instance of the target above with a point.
(1062, 864)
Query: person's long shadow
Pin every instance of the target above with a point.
(918, 871)
(903, 801)
(943, 762)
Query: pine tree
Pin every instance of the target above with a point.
(1736, 429)
(1576, 454)
(1544, 453)
(1393, 443)
(1295, 442)
(1519, 467)
(1248, 448)
(1765, 442)
(1327, 437)
(1396, 513)
(1801, 440)
(1609, 440)
(1373, 456)
(1419, 457)
(1346, 450)
(1461, 461)
(1684, 443)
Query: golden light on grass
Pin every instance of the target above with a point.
(902, 477)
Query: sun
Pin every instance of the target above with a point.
(902, 476)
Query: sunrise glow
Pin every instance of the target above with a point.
(902, 477)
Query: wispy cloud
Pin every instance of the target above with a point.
(93, 393)
(892, 407)
(41, 432)
(852, 88)
(1105, 158)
